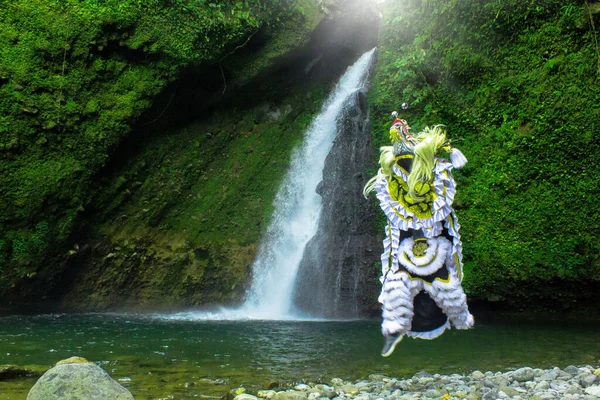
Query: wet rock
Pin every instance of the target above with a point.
(422, 374)
(290, 395)
(77, 380)
(593, 390)
(326, 391)
(73, 360)
(509, 391)
(270, 385)
(542, 385)
(13, 372)
(266, 394)
(477, 375)
(571, 370)
(337, 260)
(233, 393)
(523, 374)
(350, 389)
(245, 396)
(587, 380)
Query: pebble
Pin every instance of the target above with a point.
(577, 383)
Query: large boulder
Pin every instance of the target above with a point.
(79, 380)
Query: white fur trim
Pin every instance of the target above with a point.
(458, 158)
(431, 334)
(435, 256)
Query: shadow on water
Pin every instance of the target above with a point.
(155, 357)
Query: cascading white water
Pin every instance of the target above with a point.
(296, 215)
(298, 206)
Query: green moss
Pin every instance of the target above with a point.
(74, 77)
(515, 83)
(181, 220)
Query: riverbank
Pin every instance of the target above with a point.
(524, 383)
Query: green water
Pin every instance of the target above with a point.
(159, 358)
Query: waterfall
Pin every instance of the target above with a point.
(297, 206)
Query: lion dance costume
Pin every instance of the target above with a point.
(421, 294)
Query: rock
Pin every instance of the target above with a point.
(500, 381)
(77, 381)
(290, 395)
(571, 370)
(543, 385)
(597, 372)
(13, 371)
(245, 396)
(548, 376)
(593, 390)
(301, 387)
(523, 374)
(423, 374)
(587, 380)
(233, 393)
(477, 375)
(270, 385)
(507, 390)
(326, 391)
(350, 389)
(73, 360)
(266, 394)
(432, 394)
(491, 395)
(488, 383)
(314, 395)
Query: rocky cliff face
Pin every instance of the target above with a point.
(177, 212)
(338, 274)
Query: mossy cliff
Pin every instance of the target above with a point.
(516, 83)
(142, 142)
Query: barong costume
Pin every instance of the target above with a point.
(421, 295)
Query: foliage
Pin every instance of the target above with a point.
(516, 84)
(74, 76)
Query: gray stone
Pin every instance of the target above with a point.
(491, 395)
(571, 370)
(474, 396)
(523, 374)
(593, 390)
(500, 381)
(477, 375)
(350, 389)
(423, 374)
(290, 395)
(587, 380)
(510, 392)
(266, 394)
(77, 381)
(234, 392)
(432, 394)
(488, 383)
(548, 376)
(574, 390)
(543, 385)
(245, 396)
